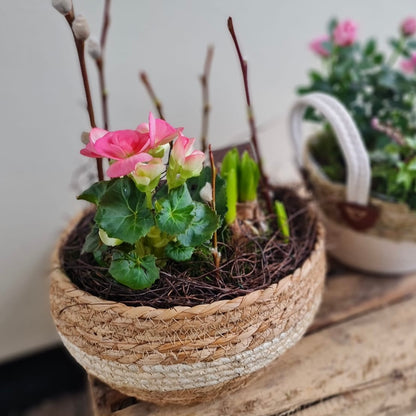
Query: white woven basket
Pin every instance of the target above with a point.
(383, 245)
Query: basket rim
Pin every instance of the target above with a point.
(57, 276)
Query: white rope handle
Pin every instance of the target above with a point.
(348, 136)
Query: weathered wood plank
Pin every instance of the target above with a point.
(394, 395)
(330, 362)
(352, 294)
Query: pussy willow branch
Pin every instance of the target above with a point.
(80, 46)
(215, 253)
(243, 63)
(150, 91)
(100, 65)
(205, 97)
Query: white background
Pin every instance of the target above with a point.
(42, 113)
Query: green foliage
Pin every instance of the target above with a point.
(242, 180)
(175, 212)
(134, 272)
(122, 212)
(370, 86)
(203, 224)
(176, 223)
(195, 185)
(248, 178)
(282, 221)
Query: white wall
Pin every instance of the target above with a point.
(42, 114)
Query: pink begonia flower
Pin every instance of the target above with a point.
(184, 162)
(189, 159)
(409, 65)
(126, 147)
(95, 134)
(345, 33)
(317, 46)
(147, 175)
(160, 132)
(408, 27)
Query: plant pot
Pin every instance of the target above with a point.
(363, 232)
(184, 355)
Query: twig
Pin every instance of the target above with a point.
(80, 46)
(148, 86)
(215, 253)
(243, 63)
(205, 97)
(100, 64)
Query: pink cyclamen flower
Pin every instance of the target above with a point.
(126, 147)
(160, 132)
(345, 33)
(409, 65)
(317, 46)
(408, 26)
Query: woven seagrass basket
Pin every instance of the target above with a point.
(363, 232)
(184, 355)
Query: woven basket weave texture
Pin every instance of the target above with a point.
(186, 354)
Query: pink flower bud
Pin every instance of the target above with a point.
(408, 27)
(345, 33)
(93, 48)
(409, 65)
(317, 46)
(80, 28)
(63, 6)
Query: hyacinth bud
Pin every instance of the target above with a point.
(63, 6)
(206, 192)
(80, 27)
(93, 48)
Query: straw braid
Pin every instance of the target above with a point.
(235, 337)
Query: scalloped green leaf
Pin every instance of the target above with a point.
(201, 228)
(123, 213)
(95, 192)
(178, 252)
(133, 272)
(175, 213)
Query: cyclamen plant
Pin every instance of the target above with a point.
(379, 90)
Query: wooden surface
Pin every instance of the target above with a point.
(358, 358)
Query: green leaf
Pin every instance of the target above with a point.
(92, 241)
(411, 165)
(95, 192)
(197, 183)
(203, 225)
(248, 179)
(122, 212)
(133, 272)
(231, 191)
(282, 221)
(175, 213)
(178, 252)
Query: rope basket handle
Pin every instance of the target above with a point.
(349, 139)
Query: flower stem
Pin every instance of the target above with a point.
(100, 64)
(215, 253)
(250, 115)
(205, 97)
